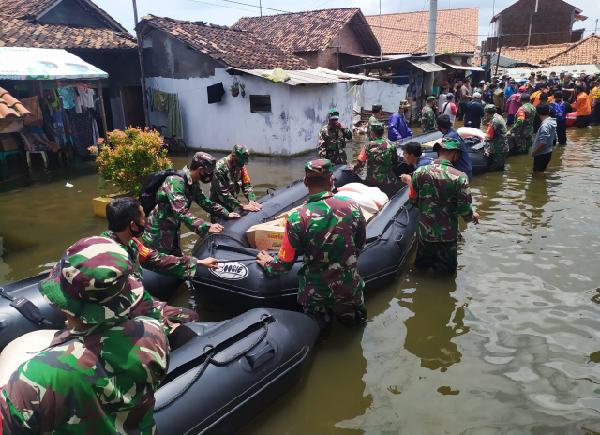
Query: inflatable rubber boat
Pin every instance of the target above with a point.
(239, 283)
(23, 309)
(220, 375)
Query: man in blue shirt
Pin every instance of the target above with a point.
(397, 125)
(541, 151)
(464, 159)
(510, 89)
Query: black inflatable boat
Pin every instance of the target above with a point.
(23, 309)
(227, 374)
(239, 283)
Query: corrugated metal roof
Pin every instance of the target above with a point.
(465, 67)
(314, 76)
(426, 65)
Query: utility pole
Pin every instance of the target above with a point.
(260, 5)
(381, 30)
(596, 27)
(140, 49)
(431, 43)
(531, 22)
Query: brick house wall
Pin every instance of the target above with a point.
(552, 24)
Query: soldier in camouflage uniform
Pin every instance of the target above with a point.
(99, 374)
(428, 122)
(332, 139)
(380, 157)
(496, 144)
(329, 233)
(520, 135)
(174, 199)
(441, 193)
(231, 177)
(373, 119)
(126, 221)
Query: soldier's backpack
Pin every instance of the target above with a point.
(151, 185)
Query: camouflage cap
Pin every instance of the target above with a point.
(404, 104)
(204, 160)
(334, 113)
(490, 108)
(447, 143)
(377, 126)
(318, 167)
(431, 98)
(93, 282)
(241, 153)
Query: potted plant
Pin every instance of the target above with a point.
(235, 89)
(125, 159)
(243, 90)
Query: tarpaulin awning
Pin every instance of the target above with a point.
(426, 65)
(314, 76)
(463, 67)
(24, 63)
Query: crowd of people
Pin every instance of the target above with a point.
(100, 372)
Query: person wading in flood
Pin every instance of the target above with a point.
(328, 232)
(332, 139)
(428, 116)
(441, 193)
(541, 151)
(173, 201)
(397, 126)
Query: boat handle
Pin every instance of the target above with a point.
(258, 356)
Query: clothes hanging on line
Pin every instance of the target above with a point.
(68, 97)
(160, 100)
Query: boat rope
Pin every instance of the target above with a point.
(212, 352)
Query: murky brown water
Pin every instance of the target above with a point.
(508, 347)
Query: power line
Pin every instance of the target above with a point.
(281, 11)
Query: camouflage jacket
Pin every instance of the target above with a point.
(174, 199)
(98, 382)
(332, 144)
(428, 122)
(183, 267)
(381, 157)
(523, 127)
(227, 183)
(497, 144)
(329, 233)
(441, 192)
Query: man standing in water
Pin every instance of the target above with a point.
(442, 194)
(397, 126)
(541, 151)
(332, 139)
(428, 116)
(329, 232)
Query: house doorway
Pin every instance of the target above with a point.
(133, 106)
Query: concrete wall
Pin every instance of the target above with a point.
(72, 12)
(386, 94)
(298, 112)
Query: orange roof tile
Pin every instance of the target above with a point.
(534, 54)
(584, 52)
(406, 33)
(310, 30)
(234, 48)
(10, 107)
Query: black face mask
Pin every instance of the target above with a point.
(138, 232)
(206, 177)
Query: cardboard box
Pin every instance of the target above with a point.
(267, 236)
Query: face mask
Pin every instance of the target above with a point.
(138, 232)
(206, 177)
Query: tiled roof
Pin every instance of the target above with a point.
(406, 33)
(584, 52)
(10, 107)
(20, 33)
(534, 54)
(31, 10)
(310, 30)
(232, 47)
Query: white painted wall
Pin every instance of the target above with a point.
(378, 92)
(298, 112)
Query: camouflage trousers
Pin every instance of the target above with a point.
(170, 317)
(519, 144)
(439, 256)
(496, 162)
(348, 309)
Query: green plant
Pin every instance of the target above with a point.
(127, 157)
(235, 89)
(243, 90)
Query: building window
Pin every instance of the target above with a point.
(260, 104)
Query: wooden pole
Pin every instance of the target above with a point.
(140, 50)
(102, 113)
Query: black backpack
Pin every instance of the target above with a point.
(151, 185)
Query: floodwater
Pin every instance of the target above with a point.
(508, 346)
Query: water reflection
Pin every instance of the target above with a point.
(435, 322)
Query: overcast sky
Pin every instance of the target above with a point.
(222, 12)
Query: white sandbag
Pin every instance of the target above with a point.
(374, 193)
(362, 200)
(22, 349)
(465, 132)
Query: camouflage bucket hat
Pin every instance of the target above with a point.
(447, 144)
(241, 153)
(404, 104)
(318, 167)
(377, 126)
(93, 282)
(490, 108)
(205, 160)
